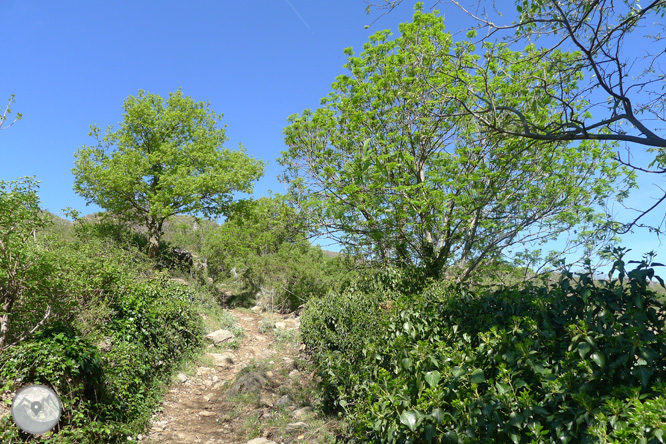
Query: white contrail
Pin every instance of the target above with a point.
(299, 15)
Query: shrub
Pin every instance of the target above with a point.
(533, 365)
(109, 395)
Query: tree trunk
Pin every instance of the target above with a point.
(154, 235)
(4, 321)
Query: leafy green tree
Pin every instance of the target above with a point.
(24, 273)
(265, 240)
(165, 159)
(254, 228)
(379, 169)
(616, 48)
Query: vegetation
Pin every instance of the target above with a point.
(7, 112)
(433, 162)
(165, 159)
(570, 362)
(264, 243)
(380, 169)
(618, 95)
(115, 333)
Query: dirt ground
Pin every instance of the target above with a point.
(199, 409)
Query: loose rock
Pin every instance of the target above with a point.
(222, 359)
(219, 336)
(260, 441)
(303, 412)
(248, 383)
(296, 426)
(283, 401)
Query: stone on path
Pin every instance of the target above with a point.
(182, 377)
(289, 363)
(219, 336)
(284, 401)
(248, 383)
(260, 441)
(222, 359)
(296, 426)
(303, 412)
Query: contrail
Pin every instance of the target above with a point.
(299, 15)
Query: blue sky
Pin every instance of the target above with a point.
(71, 64)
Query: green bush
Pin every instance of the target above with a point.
(109, 395)
(524, 366)
(264, 240)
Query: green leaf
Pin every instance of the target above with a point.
(598, 359)
(438, 414)
(583, 349)
(432, 378)
(477, 376)
(409, 419)
(457, 371)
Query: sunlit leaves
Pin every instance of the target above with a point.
(166, 158)
(393, 165)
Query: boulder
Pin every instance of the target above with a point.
(284, 401)
(303, 412)
(295, 427)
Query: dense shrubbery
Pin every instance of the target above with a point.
(115, 332)
(264, 242)
(108, 388)
(580, 361)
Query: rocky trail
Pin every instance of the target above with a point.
(253, 394)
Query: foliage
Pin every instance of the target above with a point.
(165, 159)
(569, 363)
(253, 228)
(114, 334)
(264, 241)
(386, 168)
(26, 293)
(619, 94)
(107, 396)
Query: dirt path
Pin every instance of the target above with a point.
(200, 409)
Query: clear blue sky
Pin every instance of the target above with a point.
(71, 64)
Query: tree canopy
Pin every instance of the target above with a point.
(615, 49)
(166, 158)
(398, 175)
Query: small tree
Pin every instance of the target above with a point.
(381, 169)
(253, 229)
(24, 273)
(165, 159)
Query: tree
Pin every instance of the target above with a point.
(25, 273)
(616, 49)
(254, 228)
(378, 168)
(165, 159)
(265, 240)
